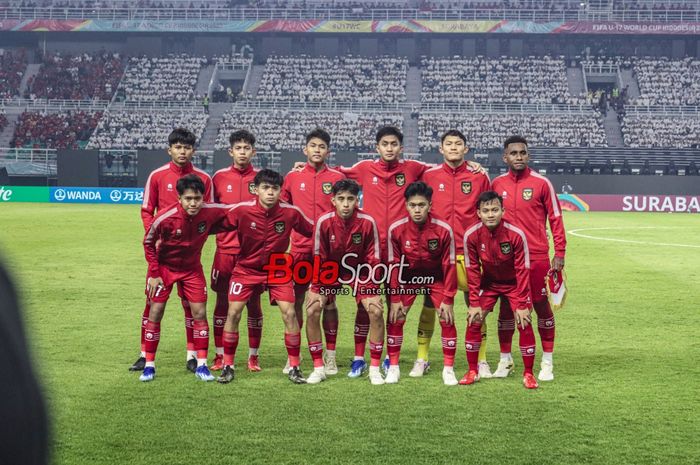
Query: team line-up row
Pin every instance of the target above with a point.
(442, 229)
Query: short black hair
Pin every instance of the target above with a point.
(389, 131)
(346, 185)
(242, 135)
(182, 136)
(190, 181)
(269, 176)
(418, 188)
(319, 133)
(514, 140)
(455, 133)
(488, 196)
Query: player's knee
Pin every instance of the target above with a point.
(427, 315)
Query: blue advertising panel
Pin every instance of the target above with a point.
(116, 195)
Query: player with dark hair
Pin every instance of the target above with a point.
(338, 234)
(234, 185)
(263, 226)
(530, 202)
(456, 189)
(173, 246)
(159, 193)
(498, 265)
(427, 244)
(310, 189)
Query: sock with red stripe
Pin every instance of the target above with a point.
(255, 324)
(189, 328)
(375, 353)
(330, 331)
(506, 327)
(394, 339)
(200, 337)
(144, 322)
(472, 343)
(449, 343)
(527, 347)
(230, 341)
(361, 331)
(220, 315)
(293, 343)
(545, 325)
(316, 350)
(152, 337)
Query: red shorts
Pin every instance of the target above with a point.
(239, 292)
(300, 289)
(221, 271)
(489, 296)
(538, 278)
(192, 285)
(434, 294)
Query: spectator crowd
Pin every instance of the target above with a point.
(65, 130)
(173, 77)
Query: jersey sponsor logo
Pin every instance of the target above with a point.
(527, 194)
(400, 179)
(178, 232)
(374, 180)
(251, 188)
(279, 227)
(170, 187)
(326, 188)
(253, 225)
(229, 188)
(201, 227)
(505, 248)
(441, 187)
(433, 244)
(408, 244)
(357, 238)
(466, 187)
(302, 186)
(332, 238)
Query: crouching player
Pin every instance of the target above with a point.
(427, 245)
(181, 231)
(264, 226)
(346, 236)
(498, 265)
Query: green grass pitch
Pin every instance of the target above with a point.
(627, 387)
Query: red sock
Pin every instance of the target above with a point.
(230, 341)
(472, 343)
(394, 339)
(527, 347)
(316, 350)
(293, 344)
(152, 337)
(220, 315)
(375, 353)
(361, 330)
(506, 327)
(449, 343)
(200, 336)
(144, 322)
(330, 330)
(189, 324)
(255, 322)
(545, 325)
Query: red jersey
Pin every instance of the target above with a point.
(231, 186)
(181, 237)
(455, 196)
(160, 190)
(383, 185)
(311, 191)
(500, 256)
(262, 232)
(334, 237)
(530, 200)
(429, 250)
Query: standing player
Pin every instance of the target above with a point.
(310, 189)
(456, 189)
(234, 185)
(347, 230)
(498, 265)
(530, 201)
(159, 193)
(173, 246)
(263, 227)
(427, 243)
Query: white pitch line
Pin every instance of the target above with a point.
(575, 232)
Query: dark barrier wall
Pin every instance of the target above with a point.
(221, 160)
(148, 161)
(78, 168)
(611, 184)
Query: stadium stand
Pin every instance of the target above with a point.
(80, 77)
(284, 129)
(661, 131)
(12, 66)
(172, 77)
(337, 79)
(663, 81)
(67, 130)
(144, 129)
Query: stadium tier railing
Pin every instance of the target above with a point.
(662, 110)
(40, 162)
(54, 105)
(376, 14)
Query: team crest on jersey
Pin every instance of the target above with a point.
(251, 188)
(357, 238)
(201, 227)
(505, 248)
(326, 187)
(466, 187)
(279, 227)
(432, 244)
(400, 179)
(527, 194)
